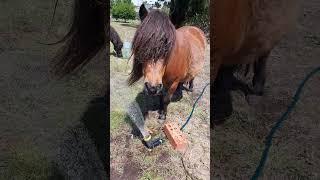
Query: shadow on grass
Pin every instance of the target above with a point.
(95, 120)
(28, 162)
(83, 149)
(145, 104)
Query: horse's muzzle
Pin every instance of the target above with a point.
(152, 90)
(119, 54)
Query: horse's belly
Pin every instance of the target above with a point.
(196, 66)
(240, 58)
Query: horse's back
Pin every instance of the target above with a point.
(196, 42)
(196, 34)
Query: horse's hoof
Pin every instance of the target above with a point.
(176, 97)
(188, 89)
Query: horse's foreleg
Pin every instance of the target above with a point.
(162, 114)
(177, 95)
(165, 100)
(222, 104)
(259, 77)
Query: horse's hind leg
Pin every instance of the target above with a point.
(259, 77)
(191, 85)
(222, 104)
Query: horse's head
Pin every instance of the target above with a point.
(153, 72)
(151, 47)
(118, 51)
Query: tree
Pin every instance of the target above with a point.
(184, 10)
(166, 8)
(112, 3)
(123, 10)
(178, 11)
(157, 4)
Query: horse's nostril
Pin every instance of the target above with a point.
(152, 90)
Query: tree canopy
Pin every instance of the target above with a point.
(123, 9)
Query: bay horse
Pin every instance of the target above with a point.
(164, 56)
(116, 41)
(244, 32)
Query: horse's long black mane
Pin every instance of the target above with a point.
(153, 40)
(87, 36)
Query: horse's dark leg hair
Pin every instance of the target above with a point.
(238, 84)
(167, 99)
(164, 102)
(259, 77)
(191, 85)
(162, 114)
(177, 95)
(190, 88)
(222, 104)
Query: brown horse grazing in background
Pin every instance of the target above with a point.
(165, 57)
(244, 32)
(116, 41)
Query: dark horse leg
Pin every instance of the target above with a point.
(190, 88)
(162, 113)
(166, 99)
(177, 95)
(259, 77)
(191, 85)
(222, 104)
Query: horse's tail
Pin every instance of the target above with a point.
(87, 36)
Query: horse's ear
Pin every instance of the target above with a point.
(143, 12)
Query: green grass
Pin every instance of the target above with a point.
(119, 65)
(149, 175)
(117, 118)
(149, 160)
(27, 162)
